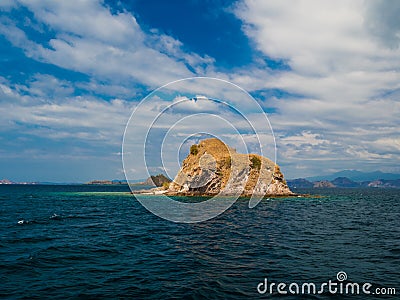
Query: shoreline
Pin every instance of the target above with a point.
(159, 191)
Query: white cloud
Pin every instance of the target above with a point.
(347, 78)
(312, 35)
(92, 40)
(306, 137)
(325, 44)
(36, 111)
(182, 104)
(87, 19)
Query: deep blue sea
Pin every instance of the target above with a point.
(77, 242)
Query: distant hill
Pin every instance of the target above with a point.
(300, 183)
(343, 182)
(383, 183)
(157, 180)
(357, 176)
(106, 182)
(323, 184)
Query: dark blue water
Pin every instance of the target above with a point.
(72, 243)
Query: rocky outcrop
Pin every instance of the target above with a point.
(214, 168)
(299, 183)
(323, 184)
(157, 180)
(5, 181)
(382, 183)
(344, 182)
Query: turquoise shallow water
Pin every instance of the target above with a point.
(84, 242)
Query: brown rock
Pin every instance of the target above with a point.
(324, 184)
(157, 180)
(214, 168)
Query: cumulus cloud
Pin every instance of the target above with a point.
(92, 40)
(182, 104)
(320, 40)
(49, 133)
(33, 109)
(343, 64)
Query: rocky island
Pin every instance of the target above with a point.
(213, 168)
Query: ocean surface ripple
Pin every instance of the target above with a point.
(76, 242)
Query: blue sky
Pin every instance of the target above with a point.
(71, 73)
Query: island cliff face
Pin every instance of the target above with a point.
(213, 168)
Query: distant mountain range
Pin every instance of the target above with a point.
(343, 182)
(345, 178)
(356, 176)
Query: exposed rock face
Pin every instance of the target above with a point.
(214, 168)
(324, 184)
